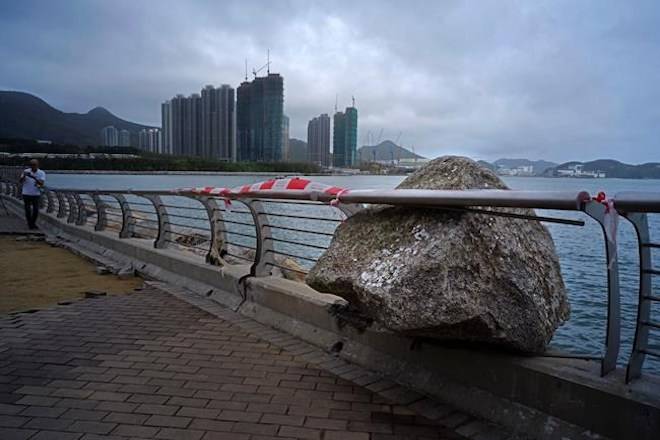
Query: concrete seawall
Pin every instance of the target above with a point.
(539, 396)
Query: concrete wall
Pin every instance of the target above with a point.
(551, 398)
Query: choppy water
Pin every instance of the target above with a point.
(580, 249)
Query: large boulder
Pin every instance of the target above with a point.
(449, 275)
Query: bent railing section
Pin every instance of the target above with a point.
(289, 230)
(635, 208)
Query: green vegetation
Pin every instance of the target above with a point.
(615, 169)
(145, 161)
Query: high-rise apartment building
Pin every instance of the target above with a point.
(218, 133)
(259, 114)
(166, 130)
(124, 138)
(201, 124)
(177, 108)
(109, 136)
(318, 140)
(149, 139)
(285, 138)
(344, 141)
(192, 125)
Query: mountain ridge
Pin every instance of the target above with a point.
(385, 151)
(614, 169)
(26, 116)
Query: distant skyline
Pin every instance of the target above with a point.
(554, 80)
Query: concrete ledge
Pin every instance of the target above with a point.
(542, 397)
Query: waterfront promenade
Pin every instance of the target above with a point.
(550, 396)
(149, 365)
(163, 363)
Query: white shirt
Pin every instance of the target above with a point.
(30, 187)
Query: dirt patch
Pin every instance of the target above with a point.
(34, 274)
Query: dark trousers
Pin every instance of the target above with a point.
(31, 209)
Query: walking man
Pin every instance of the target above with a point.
(33, 180)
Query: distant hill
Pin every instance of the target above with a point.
(539, 166)
(26, 116)
(386, 150)
(488, 165)
(297, 150)
(615, 169)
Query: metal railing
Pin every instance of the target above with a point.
(288, 230)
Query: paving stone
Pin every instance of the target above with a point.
(92, 427)
(42, 411)
(225, 436)
(37, 401)
(16, 433)
(43, 423)
(56, 435)
(168, 421)
(135, 431)
(344, 435)
(179, 434)
(126, 418)
(7, 421)
(152, 366)
(301, 433)
(211, 425)
(164, 410)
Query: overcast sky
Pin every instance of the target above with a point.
(556, 80)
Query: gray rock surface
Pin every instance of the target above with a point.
(446, 274)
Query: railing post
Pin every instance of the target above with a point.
(51, 201)
(126, 217)
(61, 204)
(81, 218)
(264, 254)
(640, 343)
(164, 227)
(101, 214)
(218, 237)
(73, 208)
(600, 212)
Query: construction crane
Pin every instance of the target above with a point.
(265, 66)
(398, 151)
(380, 135)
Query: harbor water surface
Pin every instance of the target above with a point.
(580, 249)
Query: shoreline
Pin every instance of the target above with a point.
(284, 174)
(201, 173)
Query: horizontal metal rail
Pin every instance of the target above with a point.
(305, 231)
(270, 211)
(297, 243)
(302, 217)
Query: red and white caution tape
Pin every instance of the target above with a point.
(289, 184)
(610, 220)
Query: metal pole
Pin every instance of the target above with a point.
(640, 344)
(598, 212)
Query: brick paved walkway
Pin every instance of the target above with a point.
(148, 365)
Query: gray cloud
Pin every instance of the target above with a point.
(555, 80)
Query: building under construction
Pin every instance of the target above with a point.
(344, 138)
(259, 119)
